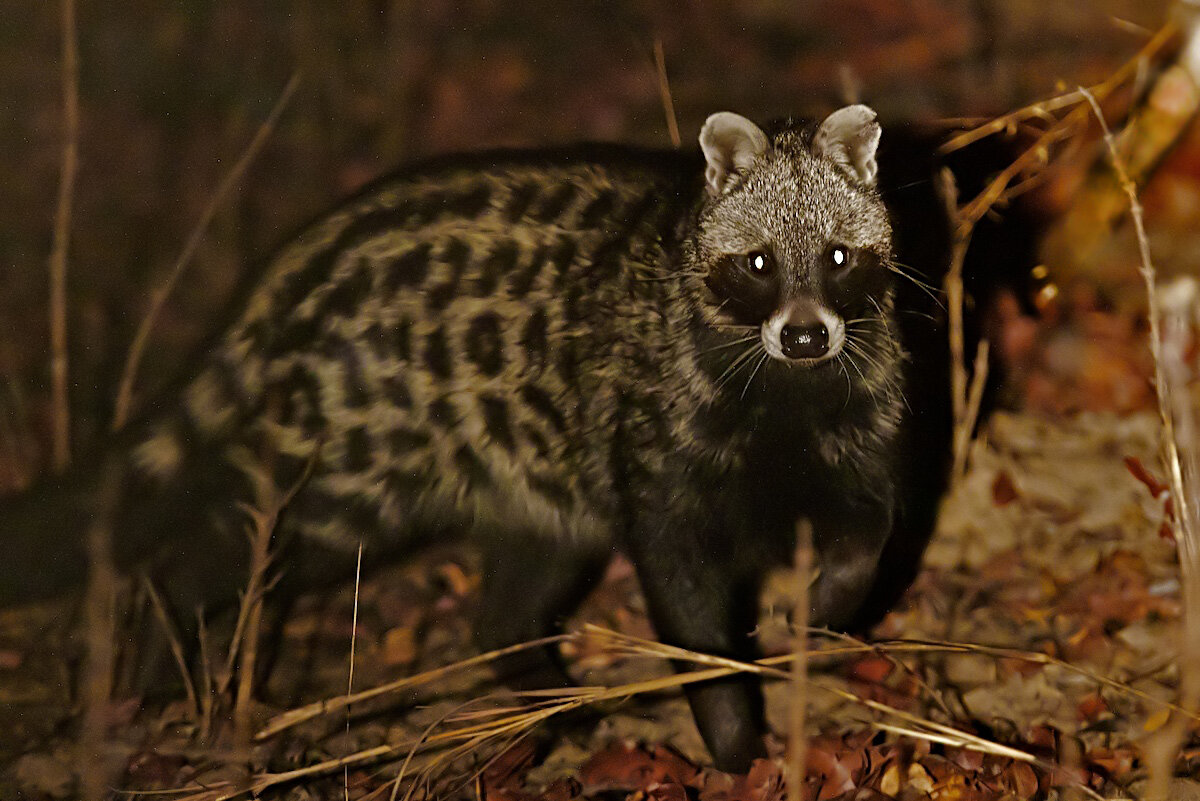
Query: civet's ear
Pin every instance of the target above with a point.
(849, 137)
(731, 143)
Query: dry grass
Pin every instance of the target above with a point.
(1052, 130)
(100, 613)
(469, 731)
(1172, 375)
(798, 701)
(966, 395)
(664, 93)
(62, 240)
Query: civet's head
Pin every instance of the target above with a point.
(793, 239)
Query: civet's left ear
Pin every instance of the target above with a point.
(849, 137)
(731, 144)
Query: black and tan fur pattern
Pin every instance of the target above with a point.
(562, 354)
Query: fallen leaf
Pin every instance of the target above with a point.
(1004, 491)
(627, 766)
(1157, 720)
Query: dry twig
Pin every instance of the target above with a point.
(798, 702)
(1176, 408)
(966, 396)
(1058, 130)
(100, 609)
(664, 93)
(158, 300)
(62, 239)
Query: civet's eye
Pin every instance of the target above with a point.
(839, 256)
(759, 263)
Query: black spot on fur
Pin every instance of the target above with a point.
(355, 393)
(537, 440)
(301, 392)
(397, 393)
(344, 299)
(404, 440)
(566, 362)
(485, 346)
(471, 467)
(606, 262)
(541, 403)
(573, 306)
(471, 203)
(437, 354)
(495, 419)
(562, 257)
(407, 482)
(358, 450)
(597, 211)
(534, 341)
(519, 201)
(636, 213)
(402, 339)
(456, 254)
(499, 262)
(294, 334)
(553, 491)
(408, 269)
(554, 203)
(523, 280)
(319, 268)
(430, 206)
(442, 413)
(361, 515)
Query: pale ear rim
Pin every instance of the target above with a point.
(850, 137)
(731, 144)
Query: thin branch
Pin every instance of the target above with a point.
(159, 298)
(664, 92)
(353, 644)
(100, 599)
(1176, 409)
(798, 701)
(62, 239)
(1037, 156)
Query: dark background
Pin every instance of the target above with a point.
(171, 93)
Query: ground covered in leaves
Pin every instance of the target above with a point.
(1051, 553)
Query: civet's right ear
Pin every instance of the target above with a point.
(731, 144)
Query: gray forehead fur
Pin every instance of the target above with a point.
(795, 203)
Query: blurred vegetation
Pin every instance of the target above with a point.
(172, 92)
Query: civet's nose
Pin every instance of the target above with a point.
(804, 341)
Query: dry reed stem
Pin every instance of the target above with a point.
(1179, 442)
(966, 395)
(664, 93)
(264, 516)
(964, 429)
(62, 239)
(1044, 109)
(798, 701)
(353, 645)
(299, 715)
(100, 600)
(1060, 129)
(516, 720)
(158, 300)
(164, 620)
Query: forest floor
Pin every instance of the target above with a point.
(1051, 548)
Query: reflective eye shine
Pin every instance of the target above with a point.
(760, 263)
(839, 257)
